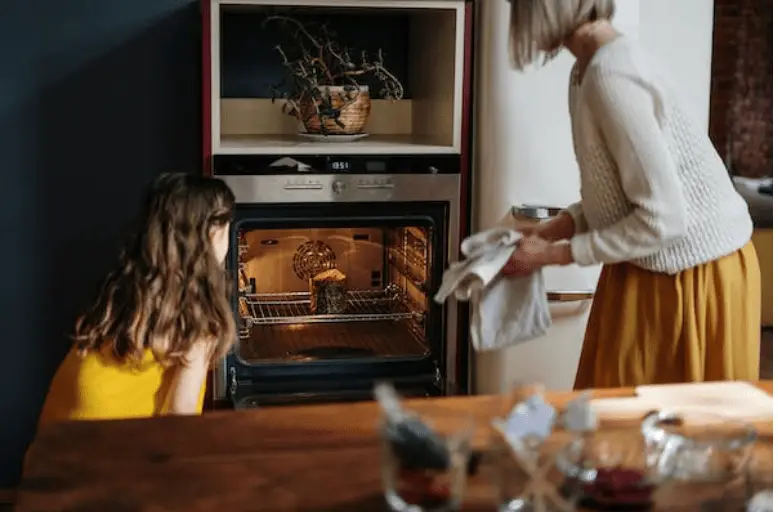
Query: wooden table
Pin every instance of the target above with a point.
(322, 458)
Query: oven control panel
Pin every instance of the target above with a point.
(377, 183)
(344, 188)
(341, 185)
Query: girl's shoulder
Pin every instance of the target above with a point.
(104, 360)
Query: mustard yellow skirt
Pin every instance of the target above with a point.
(702, 324)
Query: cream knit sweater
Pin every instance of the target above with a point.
(653, 189)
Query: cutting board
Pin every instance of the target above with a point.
(615, 410)
(738, 400)
(730, 399)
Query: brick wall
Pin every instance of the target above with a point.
(741, 116)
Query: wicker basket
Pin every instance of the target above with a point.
(351, 106)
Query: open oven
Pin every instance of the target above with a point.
(334, 278)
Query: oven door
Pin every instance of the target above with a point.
(334, 296)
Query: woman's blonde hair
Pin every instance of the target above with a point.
(539, 27)
(168, 290)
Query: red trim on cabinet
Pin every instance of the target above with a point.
(467, 109)
(206, 87)
(463, 359)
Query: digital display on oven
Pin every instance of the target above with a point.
(338, 165)
(375, 166)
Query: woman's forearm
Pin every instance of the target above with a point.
(561, 227)
(575, 211)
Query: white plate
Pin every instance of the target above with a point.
(318, 137)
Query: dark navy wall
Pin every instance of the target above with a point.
(96, 97)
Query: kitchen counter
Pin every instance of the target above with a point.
(758, 193)
(323, 458)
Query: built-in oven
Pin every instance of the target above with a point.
(334, 277)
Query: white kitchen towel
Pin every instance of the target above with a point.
(505, 310)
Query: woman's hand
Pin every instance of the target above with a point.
(561, 227)
(529, 256)
(533, 253)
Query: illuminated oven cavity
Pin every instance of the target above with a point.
(333, 293)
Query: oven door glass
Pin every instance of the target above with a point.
(339, 281)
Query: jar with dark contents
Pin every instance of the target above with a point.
(609, 470)
(425, 461)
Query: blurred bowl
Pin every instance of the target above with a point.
(609, 469)
(697, 445)
(703, 458)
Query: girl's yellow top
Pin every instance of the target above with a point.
(98, 386)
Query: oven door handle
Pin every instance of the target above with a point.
(304, 186)
(569, 296)
(535, 212)
(375, 186)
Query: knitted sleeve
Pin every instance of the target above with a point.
(623, 105)
(575, 211)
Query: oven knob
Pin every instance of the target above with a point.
(338, 187)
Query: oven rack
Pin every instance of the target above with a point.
(408, 256)
(408, 271)
(414, 242)
(362, 306)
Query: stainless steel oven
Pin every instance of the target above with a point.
(335, 262)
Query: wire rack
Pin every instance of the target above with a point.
(409, 256)
(295, 308)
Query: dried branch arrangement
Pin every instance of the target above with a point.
(325, 81)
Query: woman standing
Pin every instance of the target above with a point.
(679, 295)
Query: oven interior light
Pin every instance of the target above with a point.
(269, 241)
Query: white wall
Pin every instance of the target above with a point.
(680, 34)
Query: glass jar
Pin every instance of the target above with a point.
(610, 468)
(703, 457)
(524, 472)
(759, 480)
(514, 480)
(424, 463)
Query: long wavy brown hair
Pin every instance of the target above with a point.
(168, 290)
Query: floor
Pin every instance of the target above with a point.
(766, 359)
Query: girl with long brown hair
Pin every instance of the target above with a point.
(161, 317)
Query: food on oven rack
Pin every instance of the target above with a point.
(328, 292)
(243, 282)
(243, 308)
